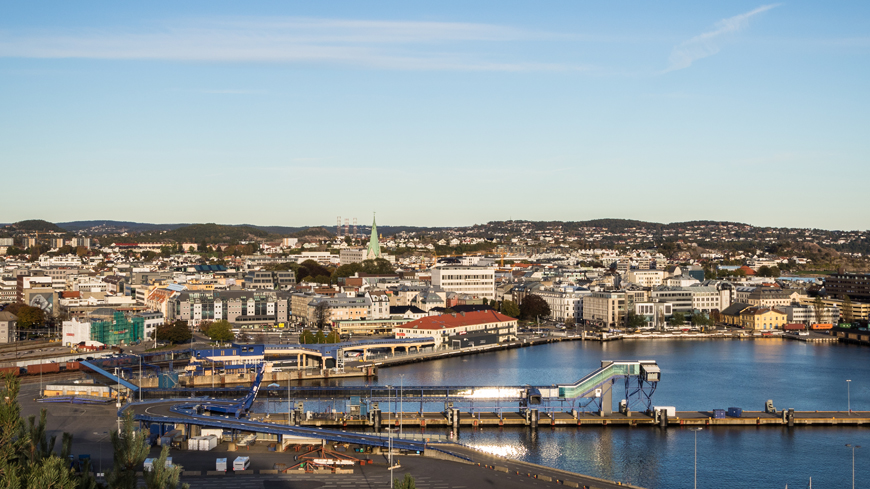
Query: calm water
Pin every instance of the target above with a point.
(696, 375)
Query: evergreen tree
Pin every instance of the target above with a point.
(406, 483)
(160, 476)
(130, 450)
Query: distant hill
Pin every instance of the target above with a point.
(213, 233)
(35, 225)
(113, 227)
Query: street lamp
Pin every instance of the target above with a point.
(696, 430)
(849, 396)
(401, 402)
(105, 434)
(853, 461)
(389, 436)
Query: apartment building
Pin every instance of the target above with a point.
(645, 277)
(604, 308)
(473, 281)
(240, 307)
(854, 285)
(564, 304)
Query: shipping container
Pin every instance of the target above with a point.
(44, 368)
(207, 443)
(735, 412)
(822, 326)
(193, 443)
(719, 414)
(794, 327)
(671, 410)
(72, 366)
(16, 371)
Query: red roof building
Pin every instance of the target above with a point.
(469, 329)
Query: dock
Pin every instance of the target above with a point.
(416, 420)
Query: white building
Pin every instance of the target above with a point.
(378, 303)
(473, 281)
(564, 304)
(75, 332)
(646, 278)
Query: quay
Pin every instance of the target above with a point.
(480, 419)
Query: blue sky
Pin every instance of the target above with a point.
(435, 114)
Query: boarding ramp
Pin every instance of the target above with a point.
(598, 384)
(112, 378)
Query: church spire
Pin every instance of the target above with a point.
(374, 248)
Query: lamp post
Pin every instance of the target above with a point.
(849, 396)
(390, 436)
(140, 378)
(696, 430)
(853, 447)
(401, 402)
(105, 434)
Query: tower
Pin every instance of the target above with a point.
(374, 249)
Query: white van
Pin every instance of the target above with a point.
(221, 465)
(241, 463)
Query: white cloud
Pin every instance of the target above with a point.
(376, 44)
(707, 44)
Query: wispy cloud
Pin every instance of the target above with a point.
(707, 44)
(405, 45)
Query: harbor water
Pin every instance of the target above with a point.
(696, 375)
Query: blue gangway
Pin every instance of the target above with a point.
(112, 377)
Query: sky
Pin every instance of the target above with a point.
(436, 113)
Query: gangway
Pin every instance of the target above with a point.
(239, 408)
(111, 377)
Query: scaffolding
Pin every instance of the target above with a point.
(120, 331)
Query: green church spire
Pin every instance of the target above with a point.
(374, 248)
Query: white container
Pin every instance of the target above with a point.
(168, 463)
(193, 443)
(241, 463)
(221, 465)
(207, 443)
(212, 431)
(149, 464)
(670, 410)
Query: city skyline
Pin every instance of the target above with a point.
(290, 114)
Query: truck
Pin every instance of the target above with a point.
(241, 463)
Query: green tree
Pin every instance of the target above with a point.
(847, 309)
(346, 270)
(29, 317)
(174, 333)
(701, 319)
(635, 321)
(378, 266)
(570, 324)
(306, 337)
(130, 450)
(510, 308)
(162, 477)
(319, 337)
(220, 331)
(678, 319)
(406, 483)
(534, 306)
(818, 309)
(26, 457)
(333, 337)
